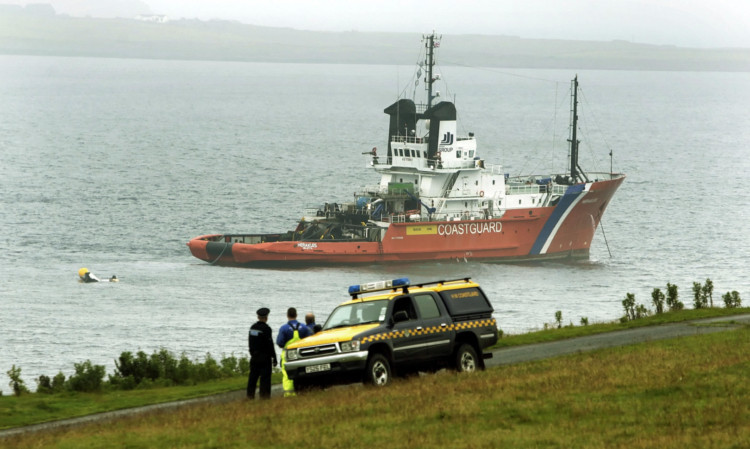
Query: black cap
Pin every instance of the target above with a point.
(263, 311)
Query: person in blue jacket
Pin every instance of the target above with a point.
(286, 332)
(290, 332)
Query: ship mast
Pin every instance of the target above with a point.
(576, 173)
(430, 63)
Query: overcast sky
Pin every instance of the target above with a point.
(686, 23)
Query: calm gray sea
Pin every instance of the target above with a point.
(114, 164)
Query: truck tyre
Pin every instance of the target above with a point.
(378, 371)
(466, 359)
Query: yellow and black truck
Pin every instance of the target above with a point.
(397, 328)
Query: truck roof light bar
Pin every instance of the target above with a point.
(355, 290)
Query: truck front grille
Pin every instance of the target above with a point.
(316, 351)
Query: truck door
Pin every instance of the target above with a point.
(434, 323)
(409, 343)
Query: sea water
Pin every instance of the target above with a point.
(114, 165)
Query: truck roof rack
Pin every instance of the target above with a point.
(443, 282)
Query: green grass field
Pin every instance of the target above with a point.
(688, 392)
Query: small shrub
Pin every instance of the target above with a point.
(162, 365)
(732, 299)
(707, 293)
(123, 383)
(58, 383)
(700, 300)
(584, 321)
(657, 297)
(44, 384)
(633, 311)
(208, 370)
(186, 370)
(629, 305)
(244, 363)
(230, 366)
(16, 383)
(128, 366)
(558, 318)
(88, 377)
(673, 301)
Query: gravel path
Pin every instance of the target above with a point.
(506, 356)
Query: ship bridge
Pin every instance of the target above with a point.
(425, 139)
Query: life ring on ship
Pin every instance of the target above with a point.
(481, 193)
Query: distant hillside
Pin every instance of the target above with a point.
(39, 31)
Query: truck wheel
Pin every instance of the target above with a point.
(378, 371)
(466, 359)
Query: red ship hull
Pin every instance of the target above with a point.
(561, 231)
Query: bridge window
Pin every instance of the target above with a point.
(458, 154)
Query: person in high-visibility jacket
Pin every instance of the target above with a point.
(290, 332)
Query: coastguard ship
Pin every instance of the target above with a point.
(437, 200)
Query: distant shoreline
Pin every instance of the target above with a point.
(41, 32)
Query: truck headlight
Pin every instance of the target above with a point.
(350, 346)
(291, 354)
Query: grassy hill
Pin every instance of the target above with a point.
(41, 32)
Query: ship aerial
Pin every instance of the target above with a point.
(437, 200)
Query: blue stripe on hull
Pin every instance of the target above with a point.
(562, 206)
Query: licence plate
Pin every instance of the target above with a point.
(318, 368)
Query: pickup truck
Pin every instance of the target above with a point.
(398, 328)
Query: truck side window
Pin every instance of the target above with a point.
(427, 306)
(406, 305)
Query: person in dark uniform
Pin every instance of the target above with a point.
(262, 356)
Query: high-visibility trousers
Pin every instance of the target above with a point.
(286, 382)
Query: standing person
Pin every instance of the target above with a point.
(290, 332)
(310, 323)
(262, 356)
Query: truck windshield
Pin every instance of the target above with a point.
(357, 313)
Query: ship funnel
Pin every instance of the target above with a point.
(442, 117)
(403, 117)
